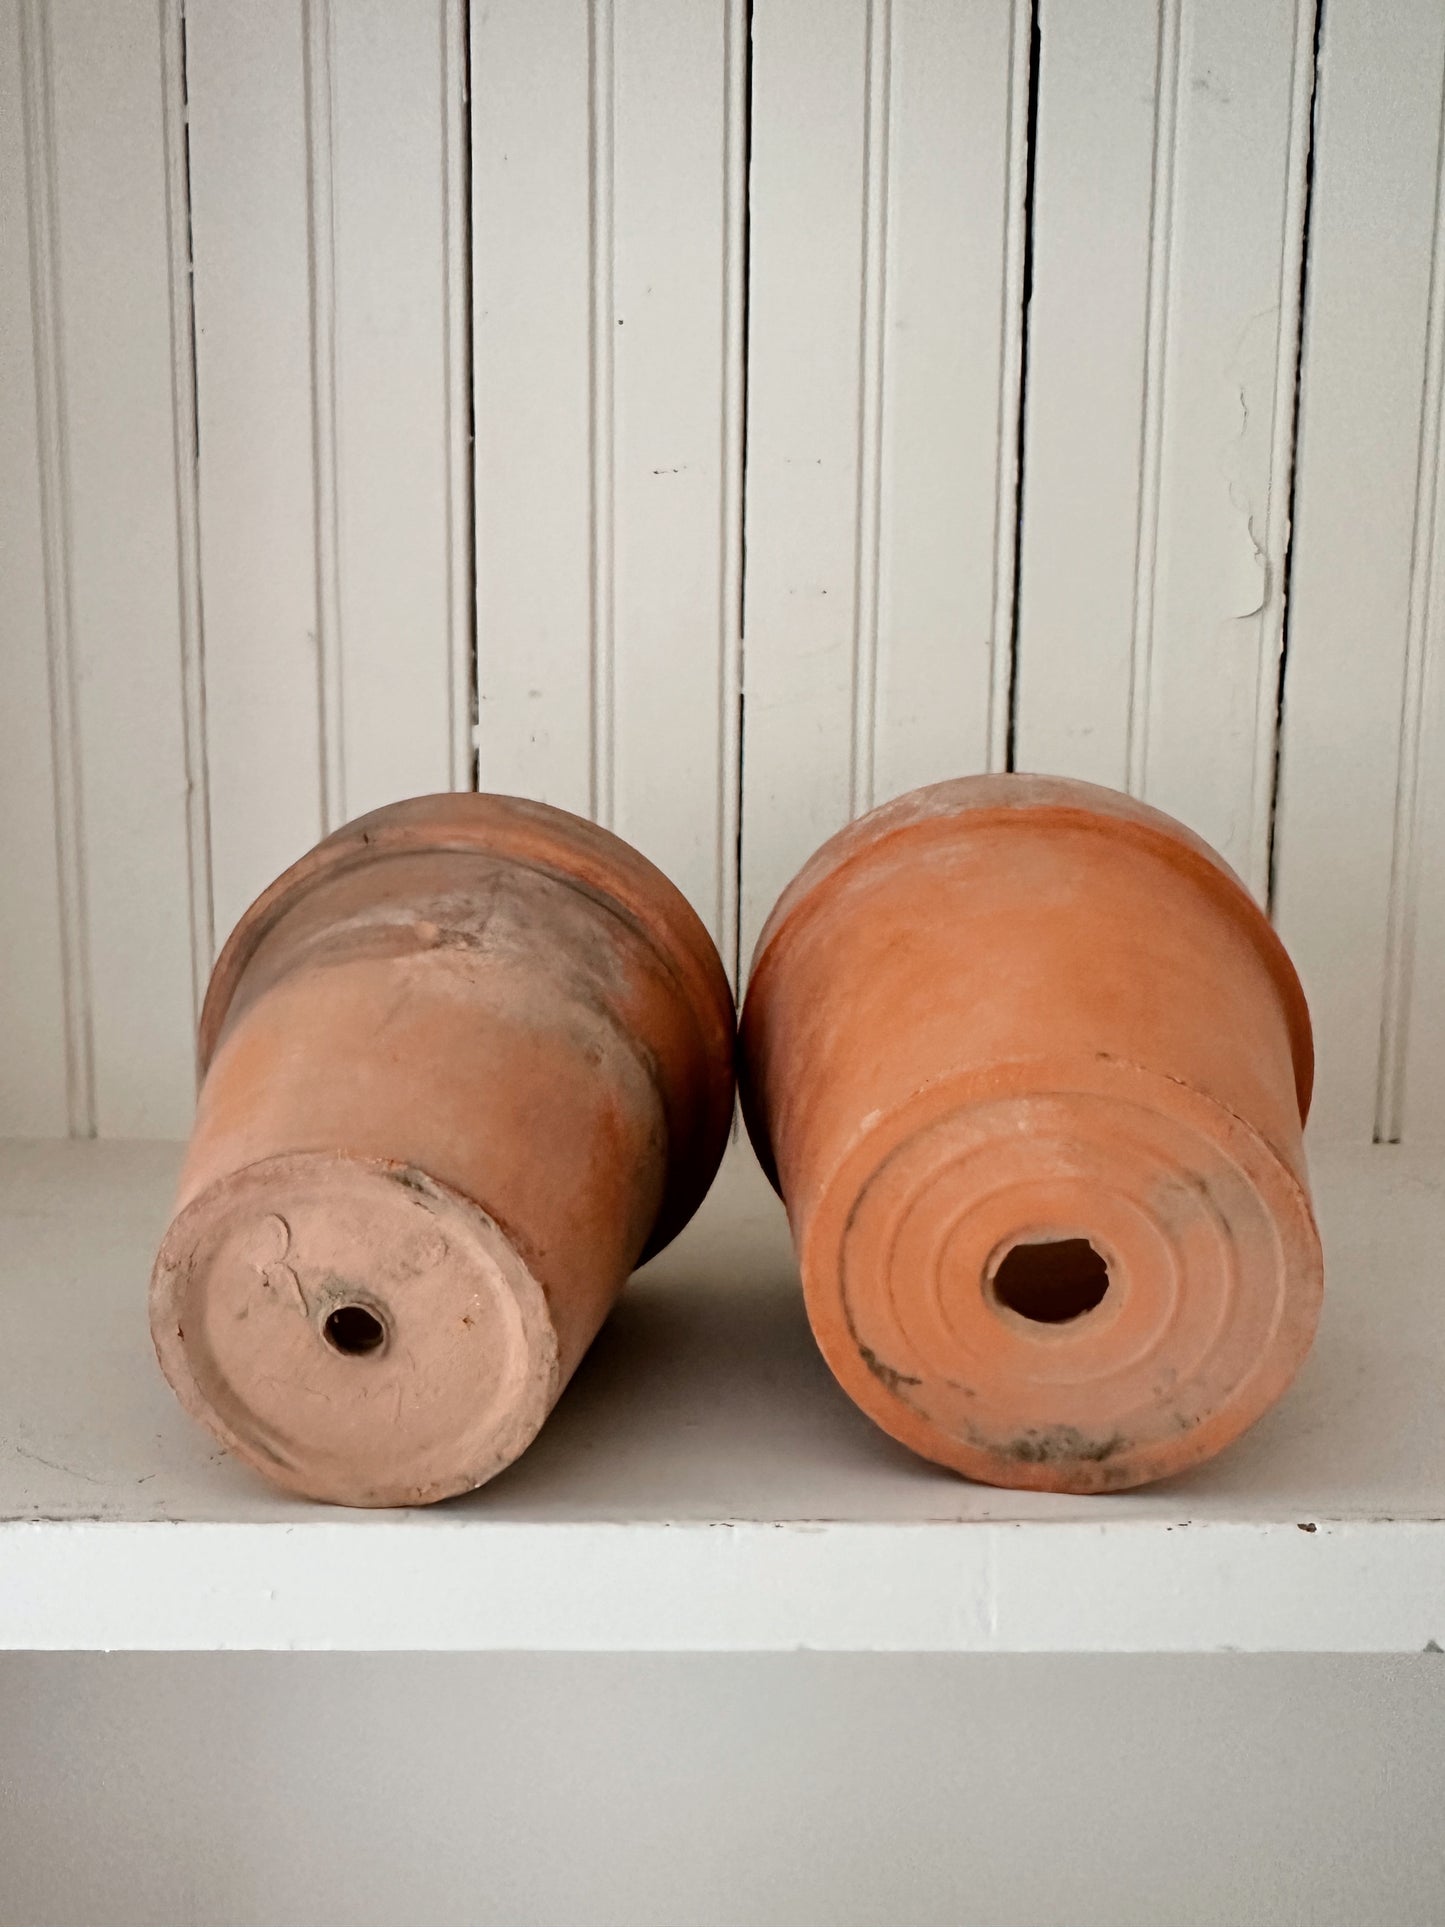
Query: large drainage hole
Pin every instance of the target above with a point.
(354, 1330)
(1051, 1281)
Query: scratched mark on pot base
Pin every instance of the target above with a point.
(885, 1374)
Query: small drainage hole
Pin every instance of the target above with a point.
(354, 1330)
(1052, 1281)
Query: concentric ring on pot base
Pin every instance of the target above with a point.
(354, 1330)
(1213, 1283)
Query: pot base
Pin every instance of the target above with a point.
(355, 1331)
(1077, 1282)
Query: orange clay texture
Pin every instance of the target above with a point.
(464, 1065)
(1030, 1069)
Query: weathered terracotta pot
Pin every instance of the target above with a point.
(1029, 1067)
(464, 1065)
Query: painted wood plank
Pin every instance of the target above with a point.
(326, 148)
(1412, 1100)
(246, 77)
(1206, 677)
(33, 1057)
(1412, 1054)
(953, 202)
(533, 339)
(1103, 163)
(609, 200)
(882, 383)
(111, 347)
(747, 1506)
(1168, 236)
(809, 167)
(671, 338)
(461, 502)
(400, 547)
(1359, 570)
(187, 484)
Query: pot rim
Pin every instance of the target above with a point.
(1072, 804)
(555, 842)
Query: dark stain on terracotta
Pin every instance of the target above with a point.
(1061, 1443)
(887, 1375)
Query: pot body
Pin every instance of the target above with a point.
(1030, 1070)
(463, 1067)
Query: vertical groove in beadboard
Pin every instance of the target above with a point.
(55, 539)
(1263, 786)
(457, 367)
(1406, 854)
(188, 520)
(601, 372)
(321, 251)
(872, 348)
(734, 432)
(1010, 390)
(1151, 424)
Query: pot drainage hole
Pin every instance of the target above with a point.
(1051, 1280)
(353, 1330)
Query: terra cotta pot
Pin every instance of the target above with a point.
(464, 1065)
(1030, 1068)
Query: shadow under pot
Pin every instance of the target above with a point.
(464, 1066)
(1030, 1069)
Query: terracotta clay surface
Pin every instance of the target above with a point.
(464, 1065)
(1030, 1069)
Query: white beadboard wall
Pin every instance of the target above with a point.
(716, 419)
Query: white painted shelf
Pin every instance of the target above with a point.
(704, 1485)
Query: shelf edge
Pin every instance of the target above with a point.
(440, 1585)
